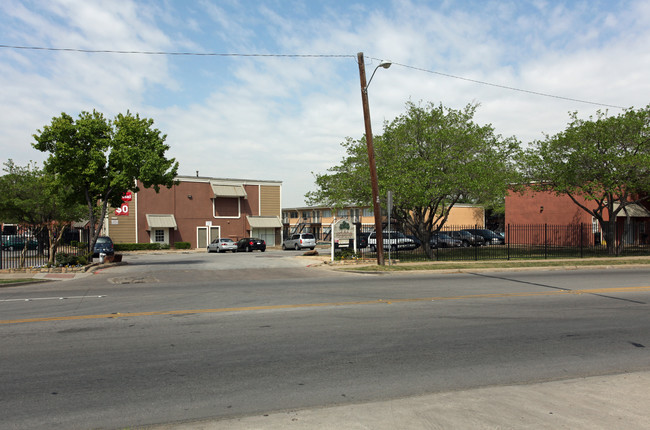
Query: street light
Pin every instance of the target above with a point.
(371, 153)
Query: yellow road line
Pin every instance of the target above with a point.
(313, 305)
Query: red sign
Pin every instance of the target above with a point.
(122, 210)
(127, 197)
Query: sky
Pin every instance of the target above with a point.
(277, 89)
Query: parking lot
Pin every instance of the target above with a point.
(202, 260)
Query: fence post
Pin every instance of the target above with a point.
(545, 242)
(582, 225)
(507, 239)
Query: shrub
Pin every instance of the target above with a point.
(136, 246)
(345, 254)
(182, 245)
(65, 259)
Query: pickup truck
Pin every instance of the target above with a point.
(393, 240)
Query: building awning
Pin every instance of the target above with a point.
(635, 210)
(264, 221)
(227, 190)
(161, 221)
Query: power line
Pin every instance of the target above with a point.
(537, 93)
(216, 54)
(198, 54)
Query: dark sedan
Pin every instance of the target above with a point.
(249, 244)
(491, 238)
(467, 238)
(10, 243)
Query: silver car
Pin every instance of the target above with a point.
(222, 245)
(300, 241)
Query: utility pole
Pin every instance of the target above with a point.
(371, 160)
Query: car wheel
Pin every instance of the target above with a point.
(249, 249)
(312, 248)
(393, 248)
(465, 243)
(11, 248)
(263, 249)
(373, 248)
(284, 248)
(296, 247)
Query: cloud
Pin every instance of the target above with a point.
(281, 118)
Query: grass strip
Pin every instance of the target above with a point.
(402, 267)
(18, 280)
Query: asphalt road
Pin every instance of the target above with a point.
(158, 340)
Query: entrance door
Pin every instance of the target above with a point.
(215, 232)
(201, 237)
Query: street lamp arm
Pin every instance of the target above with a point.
(385, 64)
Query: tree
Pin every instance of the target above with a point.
(31, 197)
(101, 160)
(431, 158)
(604, 160)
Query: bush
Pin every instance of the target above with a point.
(182, 245)
(345, 254)
(137, 246)
(65, 259)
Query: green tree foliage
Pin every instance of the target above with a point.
(604, 160)
(35, 199)
(431, 158)
(100, 160)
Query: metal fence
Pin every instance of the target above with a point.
(28, 248)
(534, 241)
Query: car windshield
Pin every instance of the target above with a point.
(226, 240)
(103, 240)
(307, 236)
(490, 233)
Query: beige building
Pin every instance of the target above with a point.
(318, 219)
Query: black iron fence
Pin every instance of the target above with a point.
(534, 241)
(31, 249)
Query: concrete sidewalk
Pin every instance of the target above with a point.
(599, 402)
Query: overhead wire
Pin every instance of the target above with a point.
(216, 54)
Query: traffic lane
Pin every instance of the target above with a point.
(136, 371)
(206, 290)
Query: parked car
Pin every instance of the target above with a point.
(394, 240)
(249, 244)
(443, 240)
(13, 242)
(417, 241)
(491, 238)
(467, 238)
(104, 245)
(300, 241)
(222, 244)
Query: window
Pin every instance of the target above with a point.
(368, 212)
(159, 235)
(327, 213)
(342, 213)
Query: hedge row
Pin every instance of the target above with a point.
(139, 246)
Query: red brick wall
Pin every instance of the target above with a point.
(193, 212)
(544, 208)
